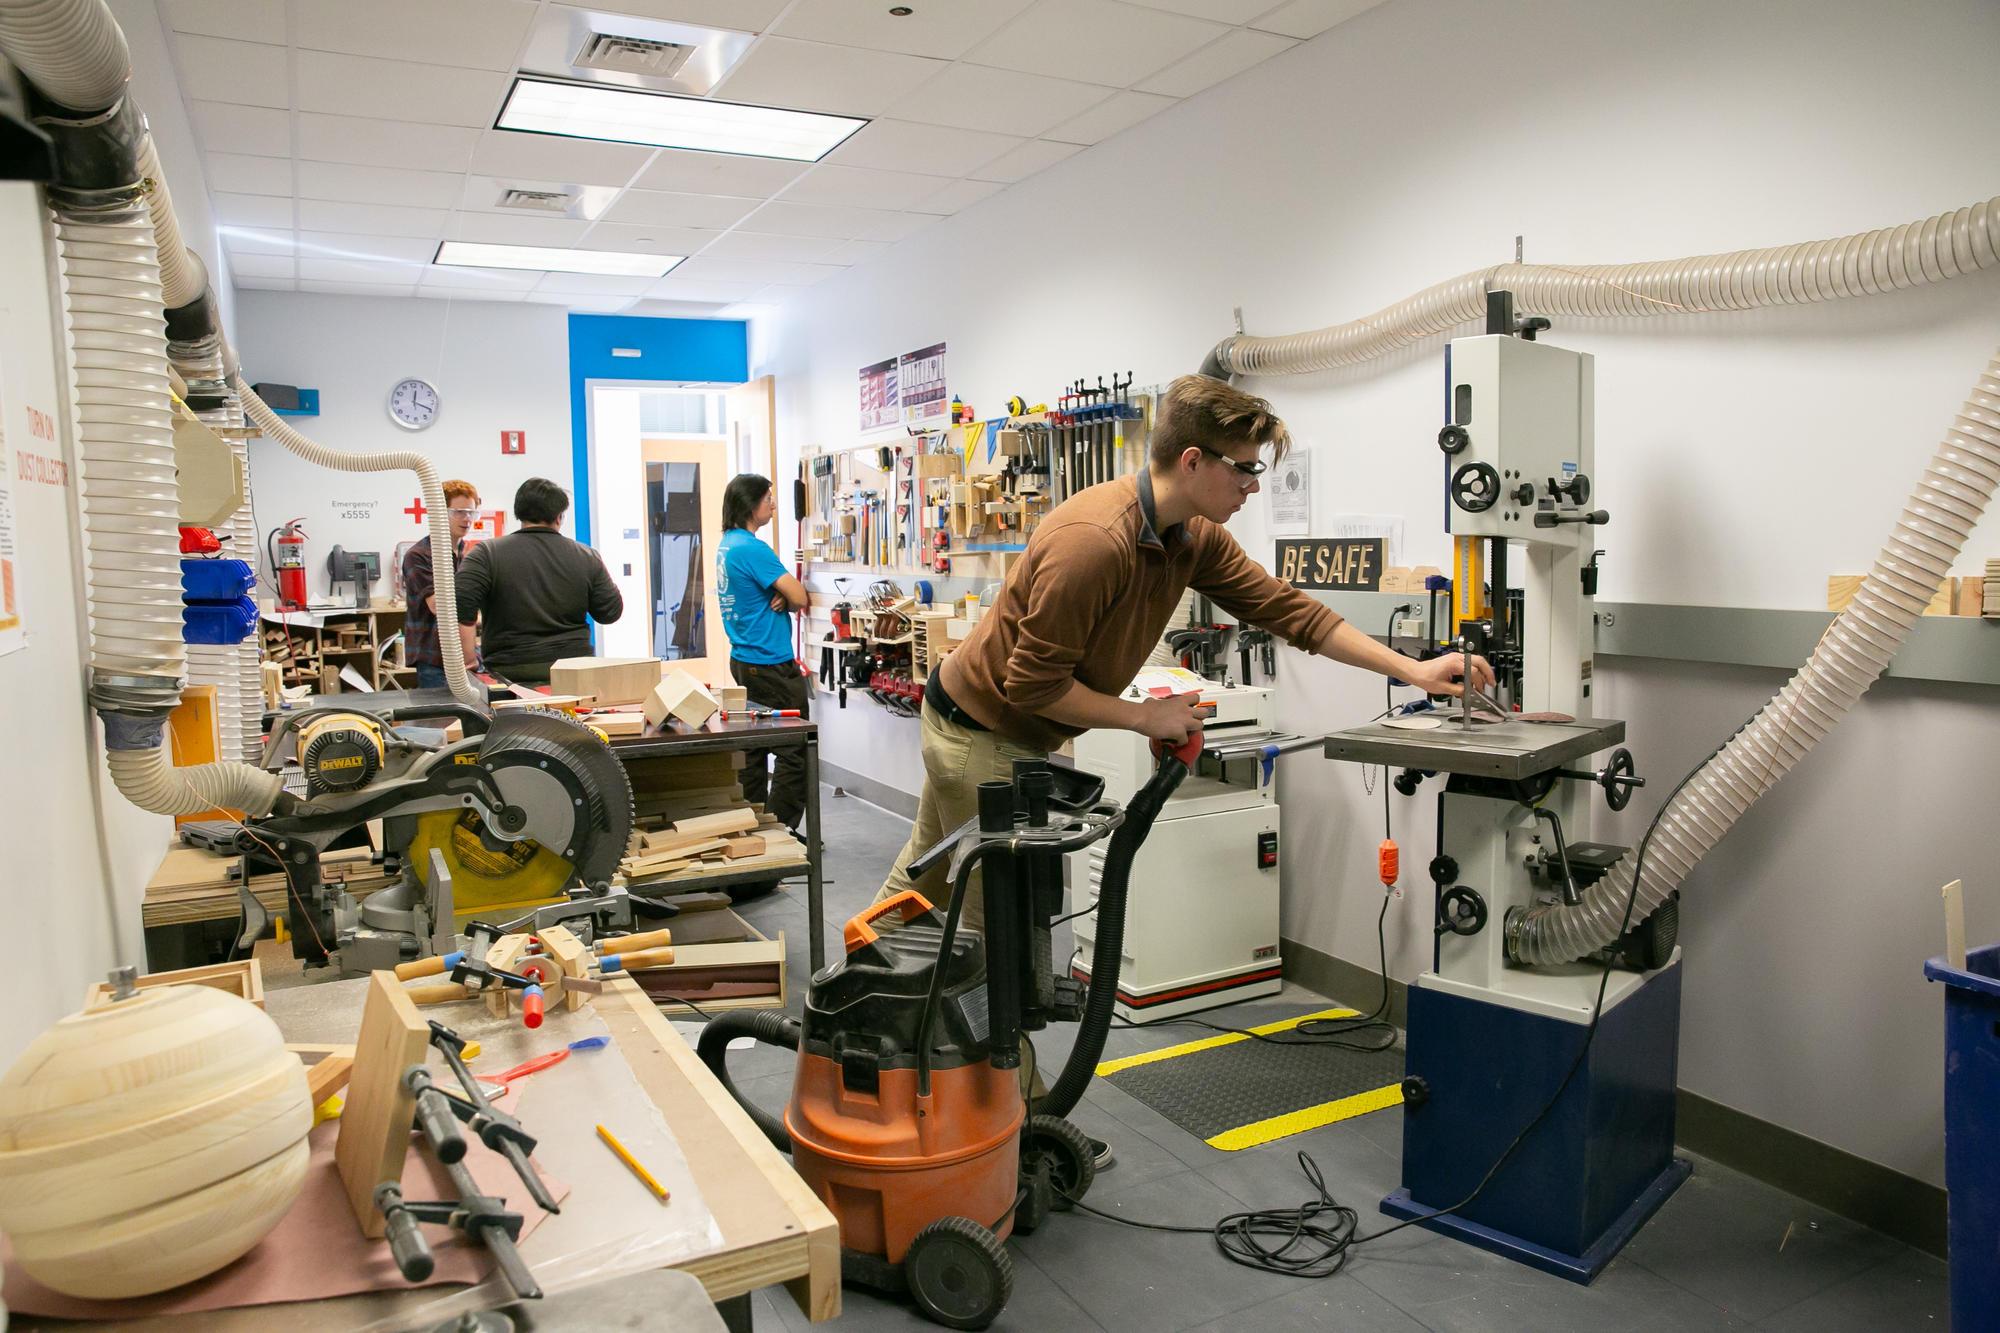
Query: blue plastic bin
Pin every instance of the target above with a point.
(1972, 1132)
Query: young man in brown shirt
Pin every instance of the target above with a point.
(1088, 600)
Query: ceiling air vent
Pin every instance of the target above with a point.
(537, 201)
(633, 55)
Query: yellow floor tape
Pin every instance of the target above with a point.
(1277, 1126)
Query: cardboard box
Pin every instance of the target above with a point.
(610, 680)
(682, 697)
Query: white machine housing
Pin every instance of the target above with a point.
(1201, 918)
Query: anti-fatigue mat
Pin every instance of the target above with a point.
(1234, 1092)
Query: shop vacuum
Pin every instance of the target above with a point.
(907, 1116)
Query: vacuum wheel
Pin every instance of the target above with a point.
(958, 1273)
(1052, 1145)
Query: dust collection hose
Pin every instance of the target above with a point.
(1857, 646)
(273, 425)
(765, 1025)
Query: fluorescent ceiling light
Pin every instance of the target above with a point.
(550, 259)
(623, 115)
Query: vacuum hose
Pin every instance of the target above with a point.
(765, 1025)
(1140, 813)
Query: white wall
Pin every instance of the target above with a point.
(497, 366)
(1743, 457)
(72, 884)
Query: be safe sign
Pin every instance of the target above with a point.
(1353, 563)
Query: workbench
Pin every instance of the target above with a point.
(739, 735)
(772, 1228)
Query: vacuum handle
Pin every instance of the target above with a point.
(1188, 751)
(860, 933)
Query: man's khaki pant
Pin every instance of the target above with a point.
(956, 760)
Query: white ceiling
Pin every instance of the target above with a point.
(344, 139)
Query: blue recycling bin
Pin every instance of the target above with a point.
(1972, 1132)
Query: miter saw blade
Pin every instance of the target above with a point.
(575, 799)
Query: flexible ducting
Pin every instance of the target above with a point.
(72, 50)
(1935, 523)
(271, 424)
(765, 1025)
(1887, 259)
(147, 777)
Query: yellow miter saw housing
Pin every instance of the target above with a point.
(527, 816)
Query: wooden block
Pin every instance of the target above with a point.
(1971, 596)
(506, 955)
(375, 1126)
(1942, 600)
(655, 843)
(733, 698)
(1954, 924)
(1397, 579)
(680, 696)
(645, 865)
(571, 956)
(612, 680)
(329, 1075)
(740, 820)
(569, 703)
(747, 845)
(1840, 590)
(244, 979)
(617, 724)
(750, 974)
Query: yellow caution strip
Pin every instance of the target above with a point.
(1312, 1117)
(1110, 1067)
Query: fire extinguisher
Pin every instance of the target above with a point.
(288, 558)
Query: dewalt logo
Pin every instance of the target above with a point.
(343, 761)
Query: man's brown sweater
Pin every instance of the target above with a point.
(1089, 599)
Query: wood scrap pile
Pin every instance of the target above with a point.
(196, 885)
(691, 822)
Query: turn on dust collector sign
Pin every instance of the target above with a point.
(1353, 563)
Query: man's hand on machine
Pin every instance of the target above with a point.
(1172, 718)
(1440, 675)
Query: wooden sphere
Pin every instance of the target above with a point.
(150, 1141)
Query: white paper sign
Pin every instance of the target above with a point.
(1289, 485)
(1388, 526)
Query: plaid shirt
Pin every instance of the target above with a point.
(420, 631)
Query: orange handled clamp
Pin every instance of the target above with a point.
(860, 932)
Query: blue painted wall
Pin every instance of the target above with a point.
(712, 351)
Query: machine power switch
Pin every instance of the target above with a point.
(1267, 850)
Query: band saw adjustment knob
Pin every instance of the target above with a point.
(1453, 439)
(1475, 488)
(1576, 489)
(1461, 911)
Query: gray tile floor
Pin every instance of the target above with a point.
(1725, 1252)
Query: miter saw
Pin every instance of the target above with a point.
(523, 820)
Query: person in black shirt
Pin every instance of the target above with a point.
(538, 590)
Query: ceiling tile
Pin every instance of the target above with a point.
(862, 188)
(480, 279)
(704, 269)
(720, 173)
(857, 252)
(367, 249)
(470, 293)
(371, 219)
(739, 15)
(222, 128)
(263, 266)
(1094, 41)
(256, 240)
(237, 174)
(517, 229)
(210, 69)
(377, 185)
(1225, 59)
(1310, 18)
(813, 76)
(398, 89)
(252, 210)
(958, 195)
(935, 150)
(1120, 111)
(668, 209)
(844, 224)
(946, 29)
(477, 34)
(267, 284)
(1000, 101)
(646, 240)
(1222, 11)
(355, 270)
(763, 245)
(245, 20)
(557, 157)
(367, 142)
(358, 288)
(592, 305)
(1026, 160)
(594, 284)
(673, 287)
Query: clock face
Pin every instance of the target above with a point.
(413, 404)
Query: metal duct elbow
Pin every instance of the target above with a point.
(1216, 364)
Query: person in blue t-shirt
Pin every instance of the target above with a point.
(757, 598)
